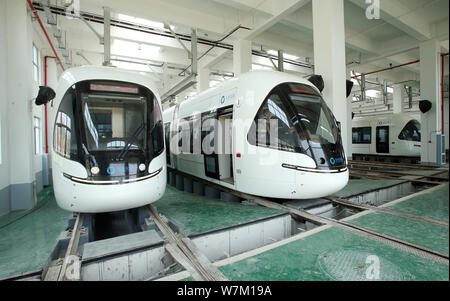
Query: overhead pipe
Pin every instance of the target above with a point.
(45, 59)
(155, 31)
(45, 33)
(387, 69)
(46, 114)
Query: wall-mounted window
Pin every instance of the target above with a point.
(362, 135)
(36, 65)
(37, 135)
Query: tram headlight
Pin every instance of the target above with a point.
(95, 170)
(142, 167)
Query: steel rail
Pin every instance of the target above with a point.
(204, 271)
(392, 241)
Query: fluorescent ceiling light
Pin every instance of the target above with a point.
(285, 55)
(133, 49)
(140, 21)
(372, 93)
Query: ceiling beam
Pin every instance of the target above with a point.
(402, 17)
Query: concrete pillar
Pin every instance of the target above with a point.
(349, 148)
(242, 57)
(430, 90)
(203, 79)
(329, 59)
(19, 54)
(4, 116)
(398, 99)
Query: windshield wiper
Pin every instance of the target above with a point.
(133, 138)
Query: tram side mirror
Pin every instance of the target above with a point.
(349, 87)
(317, 80)
(46, 94)
(425, 106)
(339, 125)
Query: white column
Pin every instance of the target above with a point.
(242, 57)
(329, 60)
(52, 74)
(430, 90)
(203, 79)
(398, 99)
(20, 78)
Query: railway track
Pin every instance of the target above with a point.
(393, 165)
(379, 176)
(184, 251)
(69, 267)
(392, 241)
(399, 174)
(320, 220)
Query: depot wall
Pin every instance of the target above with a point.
(21, 169)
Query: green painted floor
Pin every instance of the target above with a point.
(195, 214)
(431, 205)
(423, 234)
(28, 237)
(335, 254)
(356, 186)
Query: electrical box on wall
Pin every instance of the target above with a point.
(441, 155)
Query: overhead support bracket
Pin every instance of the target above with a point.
(166, 25)
(363, 87)
(280, 61)
(194, 51)
(99, 36)
(80, 54)
(191, 79)
(107, 36)
(180, 87)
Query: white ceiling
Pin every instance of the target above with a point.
(371, 44)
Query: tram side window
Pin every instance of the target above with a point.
(362, 135)
(158, 130)
(185, 136)
(208, 135)
(411, 132)
(167, 139)
(64, 140)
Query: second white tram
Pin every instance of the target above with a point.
(390, 135)
(264, 133)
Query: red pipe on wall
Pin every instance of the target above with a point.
(46, 118)
(47, 57)
(45, 33)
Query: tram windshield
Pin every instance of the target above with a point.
(295, 118)
(112, 122)
(112, 126)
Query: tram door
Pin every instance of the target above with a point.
(225, 148)
(217, 137)
(383, 140)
